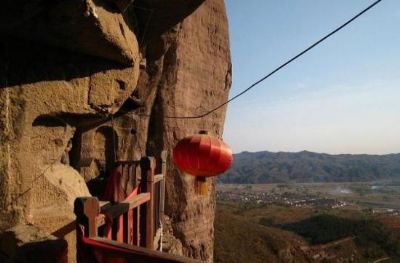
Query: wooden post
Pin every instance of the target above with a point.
(147, 164)
(164, 155)
(138, 226)
(129, 222)
(125, 223)
(150, 211)
(86, 210)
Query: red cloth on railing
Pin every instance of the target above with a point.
(115, 190)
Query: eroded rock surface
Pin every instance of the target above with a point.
(105, 75)
(94, 27)
(195, 77)
(27, 243)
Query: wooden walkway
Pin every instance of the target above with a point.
(125, 231)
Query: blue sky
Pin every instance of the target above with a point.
(342, 97)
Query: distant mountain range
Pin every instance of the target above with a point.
(301, 167)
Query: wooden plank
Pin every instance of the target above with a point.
(156, 204)
(103, 203)
(143, 254)
(125, 234)
(147, 166)
(120, 228)
(143, 225)
(120, 208)
(137, 200)
(108, 233)
(164, 156)
(130, 226)
(150, 207)
(100, 220)
(138, 226)
(158, 178)
(91, 210)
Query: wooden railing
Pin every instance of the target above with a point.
(128, 229)
(130, 173)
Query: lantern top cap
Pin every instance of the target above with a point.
(205, 132)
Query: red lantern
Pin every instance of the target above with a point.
(202, 155)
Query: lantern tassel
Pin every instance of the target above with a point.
(201, 185)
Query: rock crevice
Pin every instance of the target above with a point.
(75, 72)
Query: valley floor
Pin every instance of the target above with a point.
(260, 232)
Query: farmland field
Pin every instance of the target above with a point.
(380, 194)
(310, 222)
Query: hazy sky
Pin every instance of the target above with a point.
(342, 97)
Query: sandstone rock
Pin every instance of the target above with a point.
(64, 82)
(170, 243)
(63, 185)
(47, 94)
(192, 76)
(26, 243)
(16, 12)
(91, 27)
(53, 212)
(73, 73)
(160, 16)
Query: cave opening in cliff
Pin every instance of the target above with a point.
(90, 148)
(75, 151)
(105, 143)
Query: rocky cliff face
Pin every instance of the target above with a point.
(196, 76)
(106, 75)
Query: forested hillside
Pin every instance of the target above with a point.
(246, 232)
(283, 167)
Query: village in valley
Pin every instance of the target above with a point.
(290, 199)
(313, 196)
(309, 222)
